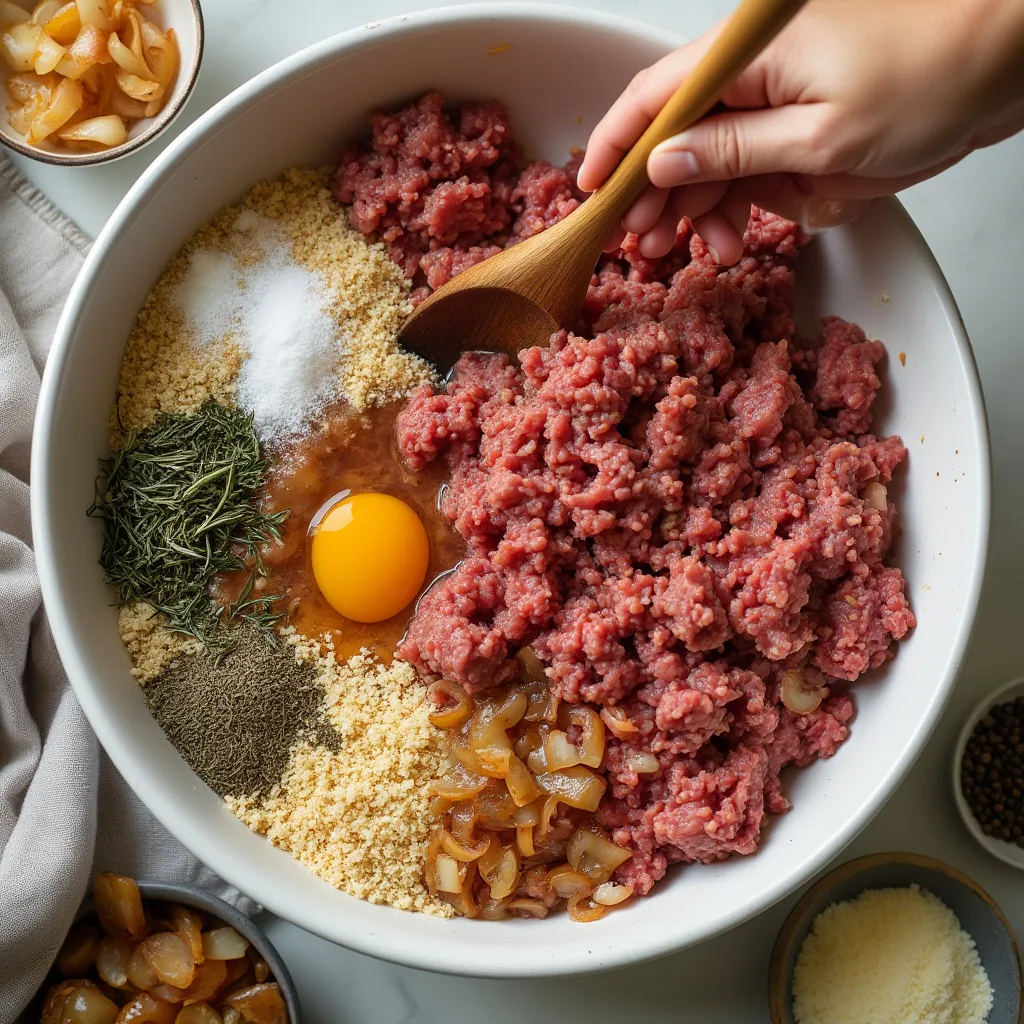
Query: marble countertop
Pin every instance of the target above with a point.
(970, 217)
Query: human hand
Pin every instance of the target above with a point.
(853, 100)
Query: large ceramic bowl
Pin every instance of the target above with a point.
(558, 69)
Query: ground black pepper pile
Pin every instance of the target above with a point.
(992, 772)
(235, 720)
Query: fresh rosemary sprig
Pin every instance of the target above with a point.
(178, 510)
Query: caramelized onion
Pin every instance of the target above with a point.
(494, 910)
(560, 752)
(643, 762)
(798, 695)
(462, 853)
(566, 881)
(447, 875)
(594, 856)
(458, 783)
(875, 496)
(547, 812)
(495, 807)
(576, 786)
(521, 785)
(608, 894)
(618, 721)
(583, 909)
(454, 716)
(503, 876)
(530, 668)
(527, 907)
(524, 840)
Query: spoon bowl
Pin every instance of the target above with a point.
(518, 297)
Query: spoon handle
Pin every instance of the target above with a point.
(752, 26)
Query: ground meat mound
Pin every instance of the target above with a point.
(673, 504)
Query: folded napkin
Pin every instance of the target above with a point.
(64, 809)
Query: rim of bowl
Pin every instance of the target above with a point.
(160, 122)
(1008, 853)
(779, 991)
(200, 899)
(644, 945)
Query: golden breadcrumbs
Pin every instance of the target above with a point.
(151, 646)
(166, 369)
(359, 818)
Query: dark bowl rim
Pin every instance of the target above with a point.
(132, 145)
(202, 900)
(778, 986)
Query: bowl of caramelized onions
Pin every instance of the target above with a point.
(164, 954)
(88, 81)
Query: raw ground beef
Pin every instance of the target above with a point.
(674, 504)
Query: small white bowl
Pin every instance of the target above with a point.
(186, 18)
(1008, 853)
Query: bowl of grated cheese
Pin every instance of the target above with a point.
(895, 936)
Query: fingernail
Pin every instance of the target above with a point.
(670, 165)
(714, 253)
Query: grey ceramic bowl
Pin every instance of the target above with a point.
(192, 897)
(979, 916)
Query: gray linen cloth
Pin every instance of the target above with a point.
(64, 809)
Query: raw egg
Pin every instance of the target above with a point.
(370, 554)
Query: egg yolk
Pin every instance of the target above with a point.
(370, 554)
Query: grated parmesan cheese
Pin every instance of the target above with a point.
(890, 956)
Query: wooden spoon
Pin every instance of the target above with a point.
(520, 296)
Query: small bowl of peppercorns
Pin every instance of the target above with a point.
(988, 773)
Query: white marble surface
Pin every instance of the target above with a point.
(971, 217)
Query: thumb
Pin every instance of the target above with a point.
(740, 144)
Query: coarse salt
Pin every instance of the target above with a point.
(278, 312)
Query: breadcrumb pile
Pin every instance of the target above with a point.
(359, 817)
(165, 369)
(150, 644)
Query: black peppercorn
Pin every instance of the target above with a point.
(992, 769)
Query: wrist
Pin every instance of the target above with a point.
(990, 54)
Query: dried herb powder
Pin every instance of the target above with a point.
(178, 509)
(235, 719)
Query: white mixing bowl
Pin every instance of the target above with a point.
(557, 69)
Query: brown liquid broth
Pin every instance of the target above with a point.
(348, 452)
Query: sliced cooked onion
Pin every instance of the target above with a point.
(455, 849)
(67, 98)
(566, 881)
(797, 694)
(618, 721)
(504, 878)
(592, 728)
(458, 783)
(463, 822)
(19, 44)
(160, 51)
(108, 130)
(524, 840)
(560, 751)
(594, 856)
(224, 944)
(583, 909)
(876, 496)
(95, 13)
(494, 910)
(577, 786)
(643, 762)
(138, 88)
(48, 55)
(446, 872)
(527, 908)
(547, 812)
(64, 24)
(125, 59)
(496, 807)
(609, 894)
(521, 786)
(530, 668)
(455, 716)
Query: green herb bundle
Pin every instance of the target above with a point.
(177, 502)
